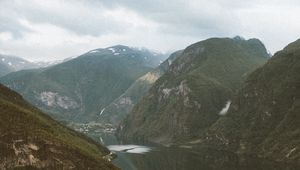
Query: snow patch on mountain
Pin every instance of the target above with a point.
(94, 51)
(226, 108)
(112, 50)
(102, 111)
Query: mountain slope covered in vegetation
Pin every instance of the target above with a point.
(264, 116)
(31, 140)
(78, 89)
(189, 97)
(115, 112)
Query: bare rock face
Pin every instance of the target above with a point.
(52, 99)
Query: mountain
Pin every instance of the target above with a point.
(189, 97)
(31, 140)
(78, 89)
(4, 69)
(115, 112)
(43, 64)
(264, 118)
(11, 63)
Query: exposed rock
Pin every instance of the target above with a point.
(52, 99)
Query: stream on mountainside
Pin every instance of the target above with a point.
(141, 156)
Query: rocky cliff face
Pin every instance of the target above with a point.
(31, 140)
(189, 97)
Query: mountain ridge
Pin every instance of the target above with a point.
(77, 89)
(189, 96)
(116, 111)
(263, 118)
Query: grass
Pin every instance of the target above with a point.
(19, 120)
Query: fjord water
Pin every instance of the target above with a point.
(146, 156)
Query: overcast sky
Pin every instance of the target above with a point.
(56, 29)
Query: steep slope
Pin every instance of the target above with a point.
(31, 140)
(115, 112)
(264, 117)
(79, 88)
(188, 98)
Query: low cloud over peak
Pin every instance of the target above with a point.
(56, 29)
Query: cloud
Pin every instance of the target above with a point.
(56, 29)
(72, 15)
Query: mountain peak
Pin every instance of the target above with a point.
(239, 38)
(195, 88)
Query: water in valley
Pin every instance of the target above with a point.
(141, 156)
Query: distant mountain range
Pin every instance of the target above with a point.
(223, 93)
(10, 64)
(80, 88)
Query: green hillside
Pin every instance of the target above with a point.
(78, 89)
(264, 117)
(188, 98)
(31, 140)
(116, 111)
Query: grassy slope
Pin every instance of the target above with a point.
(264, 117)
(116, 111)
(21, 121)
(92, 80)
